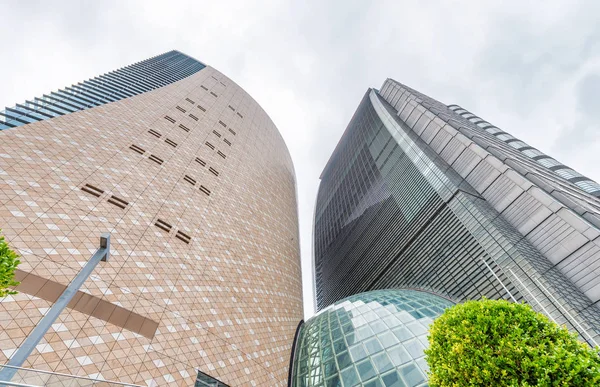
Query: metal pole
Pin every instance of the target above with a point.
(19, 357)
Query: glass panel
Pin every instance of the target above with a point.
(391, 357)
(138, 78)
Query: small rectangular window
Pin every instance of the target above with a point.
(223, 84)
(171, 142)
(157, 160)
(182, 126)
(204, 190)
(92, 190)
(201, 108)
(137, 149)
(223, 124)
(180, 109)
(213, 171)
(190, 101)
(154, 133)
(216, 133)
(193, 117)
(215, 78)
(163, 225)
(171, 120)
(231, 107)
(204, 87)
(232, 131)
(238, 113)
(201, 162)
(211, 146)
(183, 236)
(226, 141)
(117, 201)
(213, 94)
(189, 180)
(221, 154)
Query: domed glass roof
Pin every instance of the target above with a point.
(372, 339)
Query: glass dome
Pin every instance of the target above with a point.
(372, 339)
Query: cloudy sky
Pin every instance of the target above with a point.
(531, 68)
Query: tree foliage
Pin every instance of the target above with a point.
(499, 343)
(8, 264)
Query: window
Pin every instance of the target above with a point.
(117, 201)
(156, 159)
(181, 109)
(189, 179)
(504, 136)
(92, 190)
(568, 173)
(204, 190)
(163, 225)
(154, 133)
(184, 127)
(204, 380)
(171, 120)
(137, 149)
(171, 142)
(517, 144)
(532, 153)
(493, 130)
(183, 236)
(548, 162)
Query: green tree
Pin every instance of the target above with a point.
(8, 264)
(499, 343)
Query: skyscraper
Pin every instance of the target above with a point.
(194, 184)
(422, 195)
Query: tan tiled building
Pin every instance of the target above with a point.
(197, 188)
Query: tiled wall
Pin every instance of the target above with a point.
(204, 241)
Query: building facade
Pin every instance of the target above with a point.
(195, 185)
(422, 195)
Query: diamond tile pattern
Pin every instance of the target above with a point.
(372, 339)
(227, 300)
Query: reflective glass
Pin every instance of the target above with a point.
(388, 332)
(135, 79)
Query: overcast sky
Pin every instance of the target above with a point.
(530, 68)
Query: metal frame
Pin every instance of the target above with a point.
(36, 335)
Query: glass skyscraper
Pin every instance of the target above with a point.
(127, 82)
(421, 195)
(195, 185)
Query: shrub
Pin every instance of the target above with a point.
(499, 343)
(8, 264)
